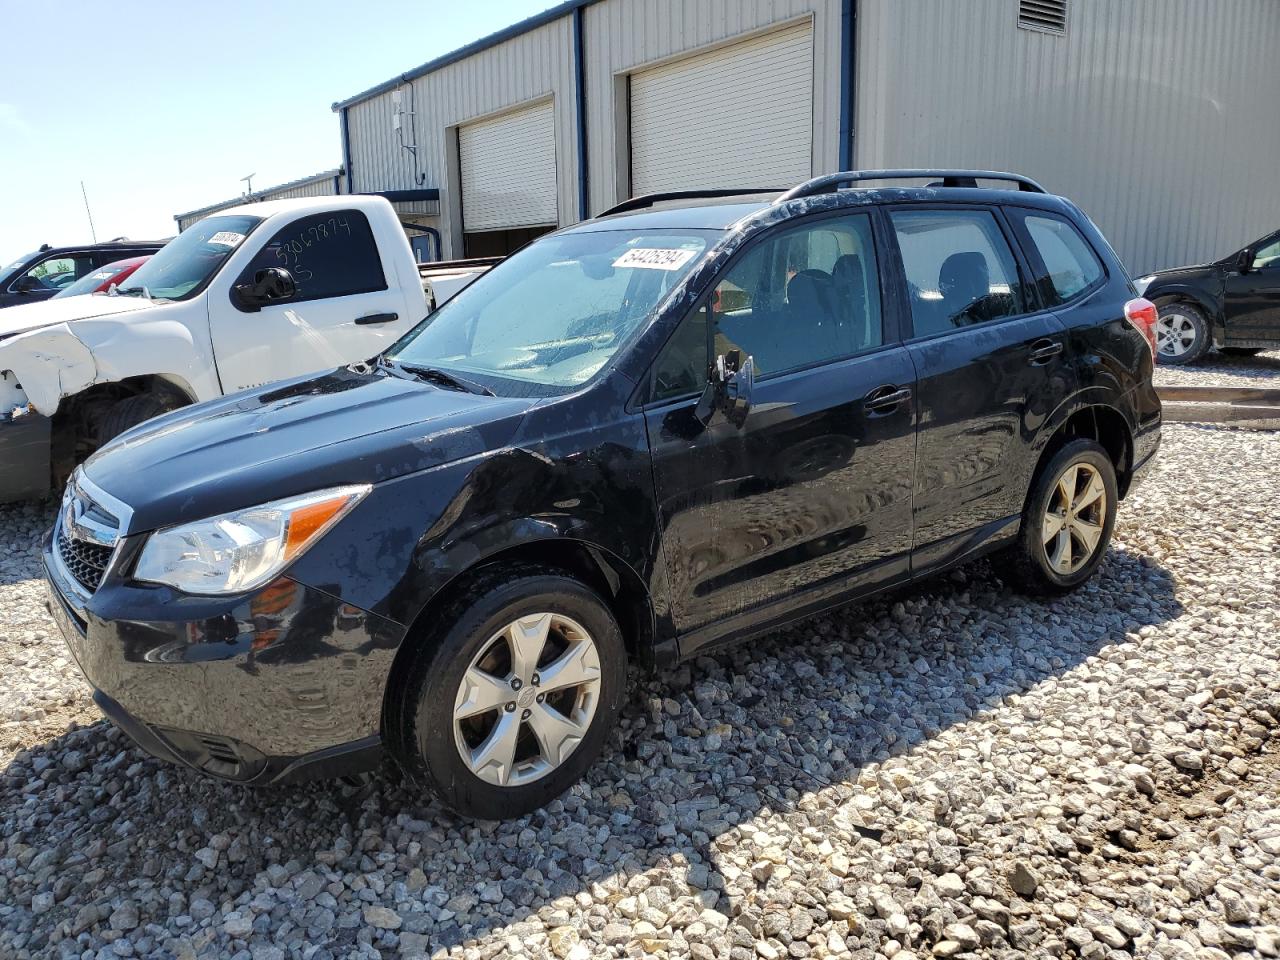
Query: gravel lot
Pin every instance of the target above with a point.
(1220, 370)
(957, 772)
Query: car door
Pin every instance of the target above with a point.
(344, 310)
(811, 496)
(991, 367)
(1252, 304)
(45, 278)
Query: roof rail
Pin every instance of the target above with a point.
(648, 200)
(950, 178)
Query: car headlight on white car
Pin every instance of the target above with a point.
(1143, 282)
(244, 549)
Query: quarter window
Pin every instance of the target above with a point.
(1069, 261)
(959, 268)
(328, 254)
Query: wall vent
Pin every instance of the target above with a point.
(1047, 16)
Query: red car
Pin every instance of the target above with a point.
(100, 280)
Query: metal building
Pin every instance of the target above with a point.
(1159, 117)
(317, 185)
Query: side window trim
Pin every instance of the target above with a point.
(1017, 217)
(890, 333)
(1033, 303)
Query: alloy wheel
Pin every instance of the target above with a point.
(527, 699)
(1175, 334)
(1072, 526)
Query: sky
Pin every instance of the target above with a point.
(161, 108)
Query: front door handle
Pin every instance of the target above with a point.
(1042, 351)
(377, 318)
(886, 399)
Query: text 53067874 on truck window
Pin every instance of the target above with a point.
(248, 296)
(679, 424)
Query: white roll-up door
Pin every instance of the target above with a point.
(508, 167)
(739, 116)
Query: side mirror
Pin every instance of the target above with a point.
(729, 390)
(29, 284)
(1244, 261)
(271, 285)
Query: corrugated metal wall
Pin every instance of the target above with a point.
(1161, 118)
(525, 68)
(622, 35)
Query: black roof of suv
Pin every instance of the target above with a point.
(689, 421)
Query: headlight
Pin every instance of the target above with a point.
(1142, 283)
(245, 549)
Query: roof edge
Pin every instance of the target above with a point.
(478, 46)
(249, 198)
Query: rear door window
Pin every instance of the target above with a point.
(959, 268)
(1070, 265)
(328, 254)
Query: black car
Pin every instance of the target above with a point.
(680, 424)
(43, 273)
(1232, 304)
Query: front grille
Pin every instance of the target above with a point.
(85, 561)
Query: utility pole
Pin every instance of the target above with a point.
(248, 185)
(84, 193)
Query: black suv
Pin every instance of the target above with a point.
(683, 423)
(1232, 303)
(43, 273)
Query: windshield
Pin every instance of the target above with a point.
(7, 271)
(553, 314)
(188, 262)
(92, 281)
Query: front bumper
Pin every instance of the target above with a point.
(24, 456)
(280, 685)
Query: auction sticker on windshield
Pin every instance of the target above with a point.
(226, 238)
(655, 258)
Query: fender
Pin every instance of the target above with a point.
(1210, 301)
(56, 362)
(1087, 398)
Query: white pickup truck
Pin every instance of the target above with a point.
(250, 295)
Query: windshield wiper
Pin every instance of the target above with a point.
(441, 378)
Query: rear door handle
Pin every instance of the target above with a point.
(1042, 351)
(886, 399)
(377, 318)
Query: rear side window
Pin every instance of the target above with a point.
(1070, 263)
(959, 268)
(329, 255)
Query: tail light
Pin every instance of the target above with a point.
(1143, 316)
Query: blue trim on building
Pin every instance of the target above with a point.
(426, 194)
(515, 30)
(346, 151)
(580, 95)
(848, 75)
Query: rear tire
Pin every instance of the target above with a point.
(131, 411)
(1063, 539)
(1240, 351)
(1182, 334)
(512, 693)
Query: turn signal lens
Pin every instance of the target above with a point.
(1143, 316)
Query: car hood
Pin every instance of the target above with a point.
(350, 425)
(45, 313)
(1196, 270)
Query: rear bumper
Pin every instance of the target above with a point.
(281, 685)
(24, 456)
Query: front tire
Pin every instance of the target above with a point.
(131, 411)
(1182, 334)
(1067, 521)
(511, 696)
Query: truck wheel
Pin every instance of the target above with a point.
(511, 695)
(1066, 523)
(1182, 334)
(131, 411)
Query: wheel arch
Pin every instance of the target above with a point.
(1102, 423)
(618, 584)
(1210, 306)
